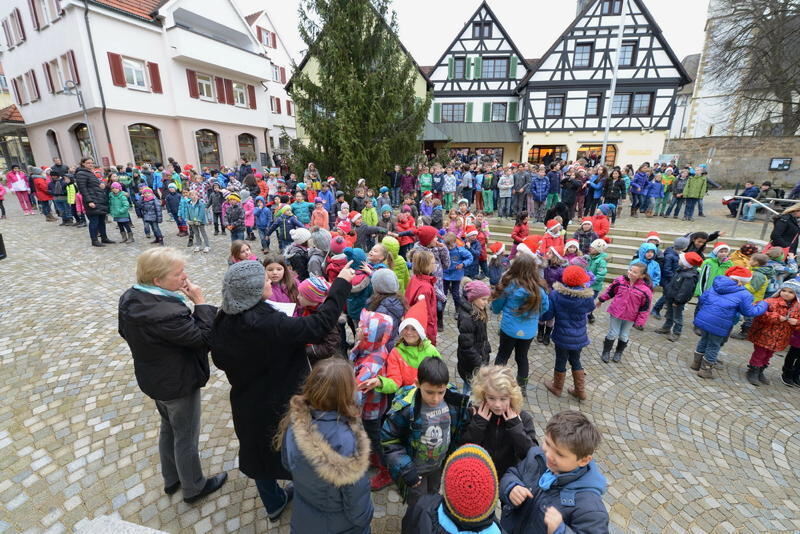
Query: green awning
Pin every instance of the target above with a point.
(475, 132)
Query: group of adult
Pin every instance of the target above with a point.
(170, 329)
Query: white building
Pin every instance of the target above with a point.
(280, 103)
(180, 78)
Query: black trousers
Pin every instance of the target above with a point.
(520, 348)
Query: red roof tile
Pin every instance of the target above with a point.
(10, 114)
(137, 8)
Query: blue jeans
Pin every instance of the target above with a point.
(262, 234)
(504, 206)
(690, 204)
(148, 225)
(396, 196)
(659, 304)
(63, 209)
(749, 211)
(618, 328)
(237, 234)
(97, 226)
(566, 355)
(676, 203)
(271, 494)
(44, 205)
(700, 207)
(674, 318)
(709, 346)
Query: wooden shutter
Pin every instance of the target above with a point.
(155, 77)
(512, 112)
(220, 83)
(283, 75)
(487, 111)
(251, 96)
(73, 65)
(468, 65)
(512, 68)
(289, 107)
(34, 14)
(469, 112)
(277, 105)
(7, 31)
(16, 91)
(229, 92)
(19, 23)
(117, 72)
(35, 89)
(260, 34)
(273, 40)
(191, 78)
(437, 112)
(450, 68)
(48, 77)
(476, 73)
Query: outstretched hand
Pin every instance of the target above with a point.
(347, 273)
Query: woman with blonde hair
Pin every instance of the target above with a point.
(499, 424)
(325, 448)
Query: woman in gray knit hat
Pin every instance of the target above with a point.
(262, 352)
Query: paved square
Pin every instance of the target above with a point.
(78, 439)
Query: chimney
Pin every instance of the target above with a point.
(582, 5)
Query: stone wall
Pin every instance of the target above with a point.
(732, 160)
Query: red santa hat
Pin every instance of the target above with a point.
(344, 226)
(587, 220)
(428, 195)
(354, 216)
(739, 273)
(416, 317)
(497, 248)
(572, 243)
(553, 227)
(719, 246)
(654, 236)
(471, 231)
(690, 259)
(558, 251)
(426, 234)
(529, 246)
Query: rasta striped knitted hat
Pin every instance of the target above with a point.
(470, 487)
(314, 289)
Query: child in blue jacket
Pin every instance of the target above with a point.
(474, 247)
(653, 191)
(263, 216)
(647, 255)
(284, 222)
(460, 259)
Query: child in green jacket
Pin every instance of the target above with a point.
(119, 205)
(598, 266)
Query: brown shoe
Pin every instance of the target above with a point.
(556, 386)
(706, 369)
(579, 379)
(696, 360)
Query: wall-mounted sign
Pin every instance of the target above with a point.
(780, 164)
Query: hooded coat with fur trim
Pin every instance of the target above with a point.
(569, 306)
(328, 457)
(473, 342)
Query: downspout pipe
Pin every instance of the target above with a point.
(99, 83)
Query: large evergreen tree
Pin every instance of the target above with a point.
(358, 111)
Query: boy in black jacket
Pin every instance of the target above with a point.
(680, 291)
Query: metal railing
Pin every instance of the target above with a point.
(771, 201)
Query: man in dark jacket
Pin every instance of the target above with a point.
(166, 322)
(678, 292)
(58, 168)
(95, 200)
(750, 190)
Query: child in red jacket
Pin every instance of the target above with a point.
(772, 330)
(421, 287)
(520, 232)
(552, 237)
(405, 223)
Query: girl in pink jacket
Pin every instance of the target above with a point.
(631, 294)
(249, 208)
(17, 181)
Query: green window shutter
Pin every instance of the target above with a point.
(450, 68)
(512, 69)
(487, 111)
(469, 64)
(437, 112)
(512, 112)
(469, 112)
(478, 66)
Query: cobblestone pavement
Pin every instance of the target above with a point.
(78, 439)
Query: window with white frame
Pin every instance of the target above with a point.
(44, 12)
(272, 104)
(31, 86)
(205, 86)
(57, 75)
(16, 27)
(3, 83)
(276, 73)
(134, 73)
(240, 94)
(499, 111)
(265, 38)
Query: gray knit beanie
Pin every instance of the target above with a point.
(242, 286)
(682, 243)
(321, 239)
(385, 281)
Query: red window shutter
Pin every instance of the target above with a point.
(48, 78)
(283, 75)
(191, 77)
(16, 91)
(260, 34)
(220, 82)
(251, 95)
(34, 14)
(229, 92)
(273, 40)
(76, 77)
(155, 77)
(7, 31)
(35, 89)
(277, 105)
(19, 22)
(117, 72)
(289, 107)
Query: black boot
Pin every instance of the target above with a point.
(752, 375)
(590, 317)
(97, 243)
(439, 320)
(742, 333)
(761, 378)
(608, 346)
(106, 240)
(620, 349)
(540, 333)
(546, 338)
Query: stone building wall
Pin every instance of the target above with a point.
(732, 160)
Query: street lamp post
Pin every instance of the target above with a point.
(71, 88)
(613, 88)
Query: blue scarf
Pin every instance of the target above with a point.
(155, 290)
(449, 526)
(547, 479)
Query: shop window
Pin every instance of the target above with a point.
(208, 148)
(247, 147)
(84, 140)
(546, 154)
(145, 143)
(595, 151)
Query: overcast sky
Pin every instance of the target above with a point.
(427, 27)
